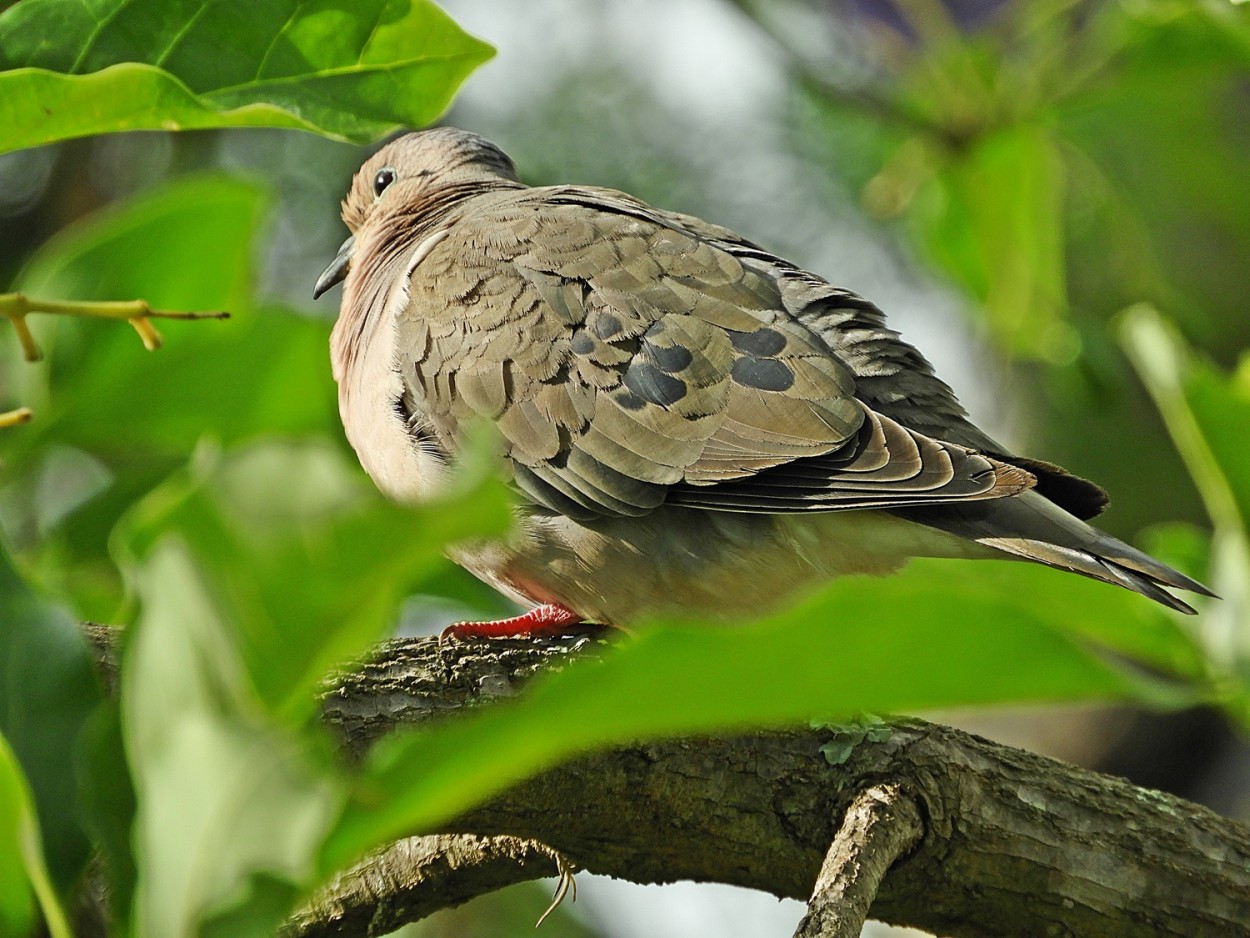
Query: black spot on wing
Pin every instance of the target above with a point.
(582, 343)
(628, 400)
(653, 385)
(672, 358)
(605, 325)
(761, 343)
(766, 374)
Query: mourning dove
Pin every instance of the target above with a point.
(696, 427)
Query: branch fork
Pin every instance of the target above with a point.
(17, 306)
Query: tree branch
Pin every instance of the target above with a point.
(1013, 843)
(416, 877)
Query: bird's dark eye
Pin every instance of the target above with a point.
(384, 178)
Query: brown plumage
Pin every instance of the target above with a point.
(694, 423)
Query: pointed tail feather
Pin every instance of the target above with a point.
(1032, 528)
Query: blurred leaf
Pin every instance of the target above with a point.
(991, 218)
(505, 913)
(109, 806)
(1206, 415)
(186, 244)
(879, 645)
(1157, 117)
(21, 862)
(350, 71)
(259, 570)
(309, 564)
(230, 810)
(48, 688)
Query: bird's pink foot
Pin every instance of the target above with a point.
(547, 619)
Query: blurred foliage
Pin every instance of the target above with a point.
(1059, 161)
(1207, 414)
(352, 73)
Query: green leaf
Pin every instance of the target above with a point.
(48, 688)
(230, 809)
(350, 71)
(18, 831)
(21, 861)
(894, 645)
(109, 806)
(309, 563)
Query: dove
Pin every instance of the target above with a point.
(694, 426)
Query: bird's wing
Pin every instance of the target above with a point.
(892, 376)
(628, 362)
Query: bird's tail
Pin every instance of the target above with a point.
(1031, 527)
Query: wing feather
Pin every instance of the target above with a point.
(629, 361)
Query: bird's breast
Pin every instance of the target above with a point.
(402, 461)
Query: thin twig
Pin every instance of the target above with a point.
(17, 306)
(13, 418)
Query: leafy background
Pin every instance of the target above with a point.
(1046, 196)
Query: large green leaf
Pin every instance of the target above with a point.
(258, 570)
(48, 688)
(924, 639)
(186, 246)
(348, 70)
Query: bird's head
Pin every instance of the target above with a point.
(411, 171)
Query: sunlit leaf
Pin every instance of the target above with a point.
(992, 219)
(352, 71)
(17, 832)
(22, 868)
(1207, 414)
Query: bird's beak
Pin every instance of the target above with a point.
(338, 268)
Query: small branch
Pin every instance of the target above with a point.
(13, 418)
(17, 306)
(418, 876)
(882, 824)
